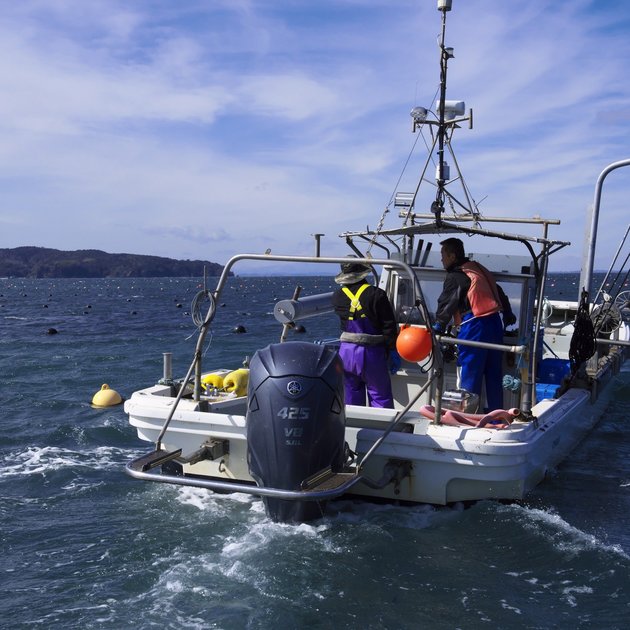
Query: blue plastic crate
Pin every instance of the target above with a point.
(546, 390)
(553, 370)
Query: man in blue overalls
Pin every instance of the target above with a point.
(473, 300)
(368, 334)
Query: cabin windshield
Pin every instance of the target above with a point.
(513, 273)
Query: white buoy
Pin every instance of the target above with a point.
(106, 397)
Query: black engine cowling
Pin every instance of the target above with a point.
(295, 421)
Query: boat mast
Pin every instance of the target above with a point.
(442, 175)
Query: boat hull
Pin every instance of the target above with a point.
(443, 464)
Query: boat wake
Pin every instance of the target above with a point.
(566, 539)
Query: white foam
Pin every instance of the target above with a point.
(41, 460)
(507, 606)
(197, 497)
(569, 591)
(258, 507)
(213, 504)
(566, 537)
(78, 486)
(175, 586)
(259, 535)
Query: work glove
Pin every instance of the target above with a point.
(394, 362)
(438, 329)
(449, 352)
(509, 319)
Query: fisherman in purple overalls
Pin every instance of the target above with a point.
(368, 337)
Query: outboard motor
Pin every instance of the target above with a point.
(295, 421)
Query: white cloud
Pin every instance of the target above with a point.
(295, 97)
(198, 129)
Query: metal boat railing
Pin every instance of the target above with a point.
(134, 470)
(586, 276)
(214, 296)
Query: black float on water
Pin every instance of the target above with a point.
(295, 421)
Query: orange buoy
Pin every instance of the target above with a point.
(413, 343)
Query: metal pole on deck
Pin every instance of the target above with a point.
(167, 366)
(318, 238)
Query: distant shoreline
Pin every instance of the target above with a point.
(43, 262)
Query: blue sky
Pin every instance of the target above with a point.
(200, 129)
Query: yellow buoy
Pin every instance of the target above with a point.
(208, 381)
(236, 382)
(106, 397)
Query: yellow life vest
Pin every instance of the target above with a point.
(355, 305)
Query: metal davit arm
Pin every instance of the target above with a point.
(481, 344)
(586, 276)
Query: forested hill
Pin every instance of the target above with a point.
(41, 262)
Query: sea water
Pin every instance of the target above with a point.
(85, 546)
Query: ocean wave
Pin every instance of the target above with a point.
(565, 537)
(188, 579)
(381, 517)
(262, 534)
(210, 504)
(42, 460)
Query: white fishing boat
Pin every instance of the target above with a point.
(279, 428)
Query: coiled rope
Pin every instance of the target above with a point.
(197, 316)
(511, 383)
